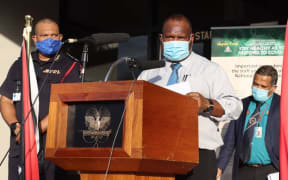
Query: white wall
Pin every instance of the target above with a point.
(8, 51)
(12, 21)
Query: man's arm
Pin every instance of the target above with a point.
(228, 148)
(203, 104)
(227, 106)
(8, 112)
(9, 115)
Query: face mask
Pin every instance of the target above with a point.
(176, 50)
(260, 95)
(48, 46)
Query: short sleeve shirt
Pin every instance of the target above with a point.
(62, 70)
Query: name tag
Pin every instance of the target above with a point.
(258, 131)
(16, 96)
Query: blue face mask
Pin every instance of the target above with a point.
(260, 95)
(48, 46)
(176, 50)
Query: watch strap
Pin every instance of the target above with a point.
(13, 127)
(210, 107)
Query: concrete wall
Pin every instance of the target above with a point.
(12, 15)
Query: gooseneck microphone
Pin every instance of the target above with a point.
(96, 40)
(135, 64)
(144, 64)
(100, 38)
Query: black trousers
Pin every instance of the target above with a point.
(205, 170)
(47, 170)
(246, 172)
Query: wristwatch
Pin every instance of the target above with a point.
(210, 107)
(13, 127)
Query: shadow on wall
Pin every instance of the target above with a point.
(12, 16)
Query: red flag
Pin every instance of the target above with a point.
(31, 160)
(284, 114)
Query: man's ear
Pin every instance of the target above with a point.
(274, 88)
(161, 42)
(34, 38)
(61, 36)
(161, 37)
(191, 41)
(192, 37)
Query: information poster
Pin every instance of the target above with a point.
(241, 50)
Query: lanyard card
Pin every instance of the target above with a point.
(16, 96)
(258, 131)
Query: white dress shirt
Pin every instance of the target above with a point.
(210, 80)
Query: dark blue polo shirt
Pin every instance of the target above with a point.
(42, 68)
(63, 70)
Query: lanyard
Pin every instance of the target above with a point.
(262, 113)
(253, 120)
(260, 116)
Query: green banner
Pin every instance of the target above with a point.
(248, 42)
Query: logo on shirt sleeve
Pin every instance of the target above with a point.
(52, 71)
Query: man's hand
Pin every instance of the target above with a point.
(203, 103)
(219, 172)
(17, 132)
(44, 124)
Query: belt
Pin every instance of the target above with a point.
(257, 165)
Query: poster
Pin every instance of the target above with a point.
(241, 50)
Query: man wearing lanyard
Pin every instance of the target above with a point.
(255, 135)
(48, 70)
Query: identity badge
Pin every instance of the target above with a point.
(16, 96)
(258, 132)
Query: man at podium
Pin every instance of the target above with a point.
(208, 84)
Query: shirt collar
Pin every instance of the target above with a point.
(184, 63)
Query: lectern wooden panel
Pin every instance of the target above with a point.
(159, 132)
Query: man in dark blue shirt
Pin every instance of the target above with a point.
(255, 135)
(48, 70)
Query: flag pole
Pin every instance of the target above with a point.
(30, 168)
(26, 40)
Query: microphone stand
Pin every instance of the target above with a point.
(84, 60)
(114, 64)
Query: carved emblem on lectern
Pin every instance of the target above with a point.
(97, 121)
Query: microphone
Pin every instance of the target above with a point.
(144, 64)
(100, 38)
(135, 64)
(87, 39)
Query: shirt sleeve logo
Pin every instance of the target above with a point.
(52, 71)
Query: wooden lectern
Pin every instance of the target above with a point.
(159, 133)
